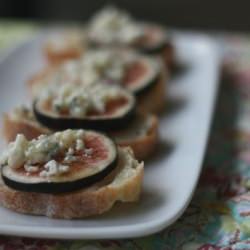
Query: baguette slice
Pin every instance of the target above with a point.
(168, 56)
(141, 135)
(21, 121)
(154, 101)
(122, 184)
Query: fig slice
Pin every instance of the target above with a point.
(117, 114)
(84, 171)
(142, 74)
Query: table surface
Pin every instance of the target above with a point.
(218, 217)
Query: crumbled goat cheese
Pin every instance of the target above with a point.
(79, 101)
(102, 63)
(53, 168)
(41, 150)
(16, 153)
(70, 151)
(69, 71)
(70, 158)
(111, 25)
(30, 168)
(79, 144)
(88, 151)
(92, 68)
(68, 137)
(80, 133)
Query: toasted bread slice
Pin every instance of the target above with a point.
(21, 121)
(122, 184)
(141, 135)
(168, 56)
(154, 101)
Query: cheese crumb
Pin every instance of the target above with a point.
(30, 168)
(79, 144)
(88, 151)
(16, 154)
(112, 25)
(70, 151)
(53, 168)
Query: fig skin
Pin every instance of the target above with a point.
(101, 124)
(60, 187)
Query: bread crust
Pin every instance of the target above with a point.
(154, 101)
(143, 146)
(94, 200)
(168, 56)
(12, 127)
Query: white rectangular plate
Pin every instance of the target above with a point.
(170, 177)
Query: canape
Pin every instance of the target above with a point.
(68, 174)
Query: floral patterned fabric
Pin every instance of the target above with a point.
(218, 217)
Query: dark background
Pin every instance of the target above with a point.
(213, 15)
